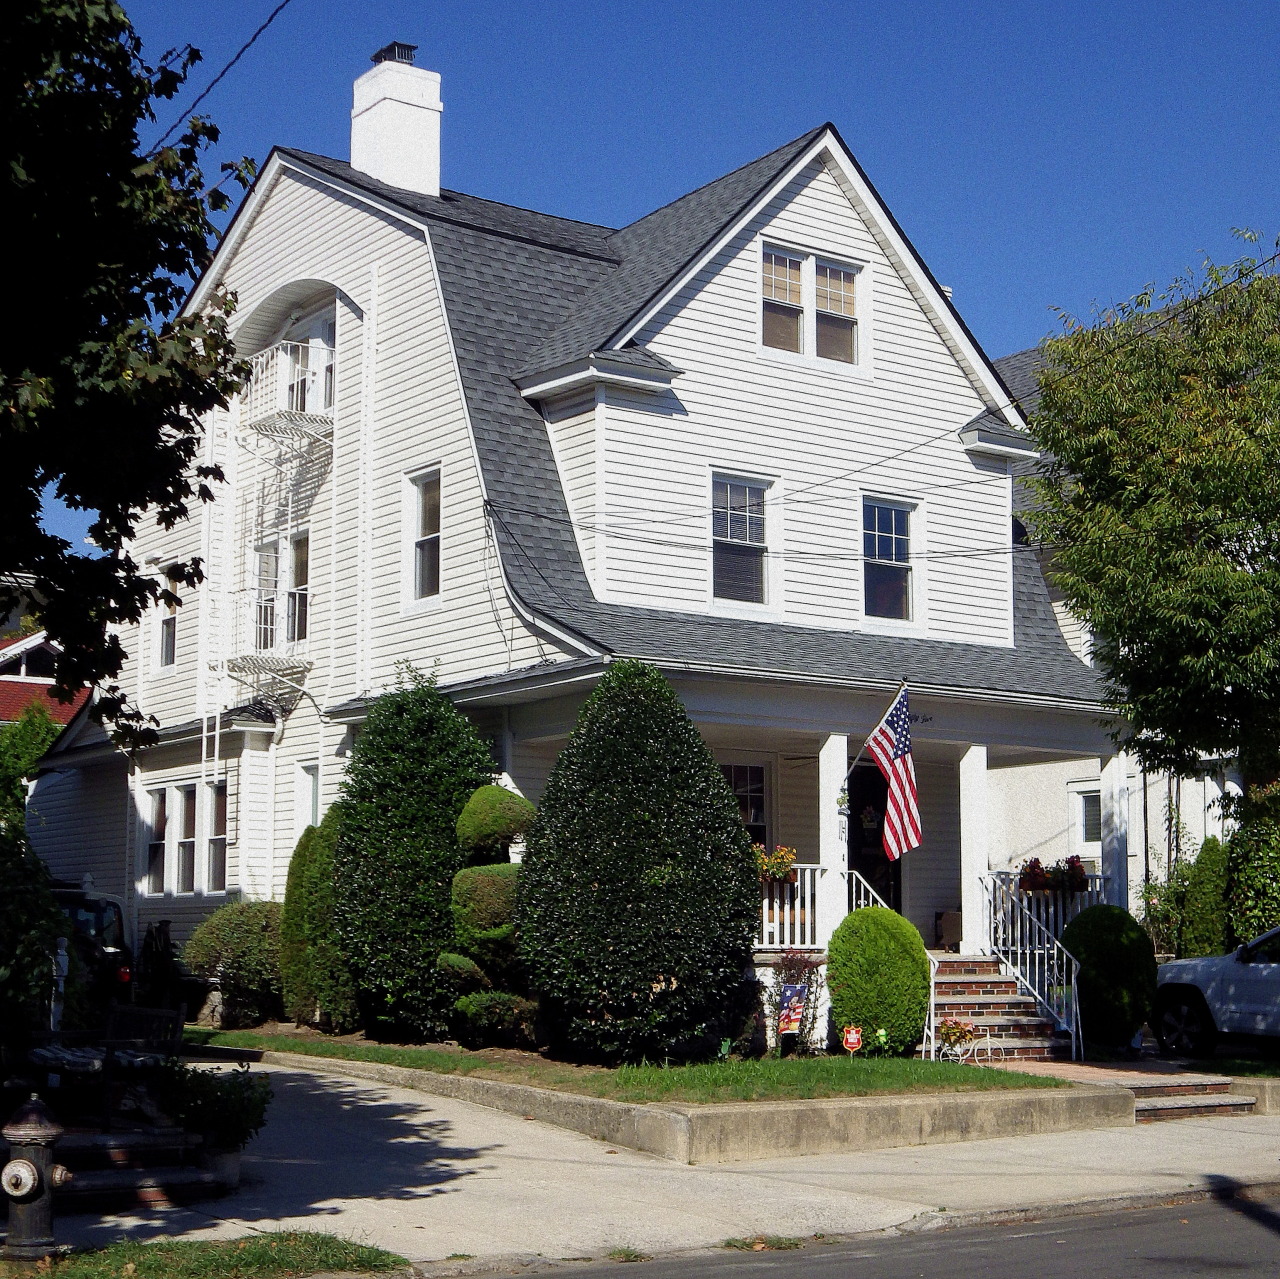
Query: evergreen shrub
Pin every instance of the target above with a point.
(1253, 876)
(496, 1019)
(30, 924)
(1204, 903)
(878, 976)
(239, 947)
(484, 924)
(464, 974)
(331, 979)
(638, 893)
(300, 1001)
(1117, 973)
(491, 819)
(415, 764)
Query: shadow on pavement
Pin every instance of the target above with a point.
(1231, 1193)
(326, 1140)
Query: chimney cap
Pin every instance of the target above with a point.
(396, 51)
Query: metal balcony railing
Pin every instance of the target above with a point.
(291, 382)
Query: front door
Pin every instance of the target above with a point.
(868, 793)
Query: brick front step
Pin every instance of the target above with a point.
(991, 987)
(1175, 1087)
(1152, 1110)
(964, 1007)
(1004, 1029)
(965, 967)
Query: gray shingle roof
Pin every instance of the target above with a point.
(509, 279)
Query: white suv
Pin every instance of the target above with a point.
(1238, 994)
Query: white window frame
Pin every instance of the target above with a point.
(292, 590)
(769, 762)
(306, 797)
(154, 794)
(774, 579)
(177, 793)
(1077, 846)
(810, 258)
(167, 631)
(205, 837)
(411, 535)
(917, 562)
(184, 802)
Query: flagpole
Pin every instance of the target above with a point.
(862, 749)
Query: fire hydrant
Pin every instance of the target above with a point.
(29, 1179)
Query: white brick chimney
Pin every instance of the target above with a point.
(395, 122)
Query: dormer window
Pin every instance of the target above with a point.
(809, 305)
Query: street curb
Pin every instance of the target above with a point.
(733, 1132)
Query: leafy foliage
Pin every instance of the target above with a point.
(239, 946)
(101, 387)
(331, 979)
(484, 923)
(300, 1000)
(1204, 923)
(415, 764)
(878, 974)
(491, 819)
(496, 1018)
(1160, 508)
(1117, 973)
(227, 1108)
(1253, 877)
(1163, 907)
(638, 891)
(30, 924)
(22, 746)
(462, 973)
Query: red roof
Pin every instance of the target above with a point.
(16, 695)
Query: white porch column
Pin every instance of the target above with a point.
(1115, 828)
(974, 855)
(833, 842)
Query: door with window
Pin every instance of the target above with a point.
(868, 799)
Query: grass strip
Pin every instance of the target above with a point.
(262, 1256)
(764, 1079)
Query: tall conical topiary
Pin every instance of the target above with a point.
(415, 764)
(295, 915)
(331, 979)
(638, 895)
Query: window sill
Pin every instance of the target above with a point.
(418, 607)
(915, 629)
(744, 610)
(859, 371)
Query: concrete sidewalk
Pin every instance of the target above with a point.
(428, 1177)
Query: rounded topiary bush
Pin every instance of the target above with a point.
(496, 1019)
(239, 947)
(491, 819)
(878, 975)
(1117, 973)
(638, 894)
(1253, 876)
(1204, 903)
(484, 910)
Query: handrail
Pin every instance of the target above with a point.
(861, 893)
(1056, 908)
(1042, 966)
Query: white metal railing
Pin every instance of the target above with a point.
(1034, 956)
(861, 893)
(1055, 909)
(789, 911)
(290, 377)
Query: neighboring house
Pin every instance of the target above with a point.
(747, 438)
(26, 677)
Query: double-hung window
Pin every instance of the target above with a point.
(747, 782)
(215, 875)
(268, 587)
(426, 543)
(809, 305)
(187, 839)
(169, 625)
(299, 588)
(738, 540)
(157, 830)
(886, 559)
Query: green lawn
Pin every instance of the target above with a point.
(1258, 1067)
(263, 1256)
(768, 1079)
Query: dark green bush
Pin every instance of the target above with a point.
(1117, 973)
(30, 924)
(496, 1019)
(239, 947)
(1204, 903)
(300, 1001)
(1253, 875)
(484, 905)
(878, 975)
(491, 819)
(226, 1108)
(464, 974)
(638, 895)
(415, 764)
(331, 979)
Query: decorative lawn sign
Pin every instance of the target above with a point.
(851, 1037)
(791, 1009)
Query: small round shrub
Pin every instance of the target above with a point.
(1117, 973)
(1204, 903)
(484, 906)
(300, 1002)
(465, 974)
(1253, 876)
(878, 975)
(491, 819)
(496, 1019)
(239, 947)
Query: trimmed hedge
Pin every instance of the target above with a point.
(484, 926)
(464, 974)
(415, 764)
(239, 947)
(300, 1002)
(1117, 973)
(491, 819)
(1204, 903)
(878, 975)
(638, 894)
(494, 1018)
(1253, 876)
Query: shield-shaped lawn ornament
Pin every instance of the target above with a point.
(852, 1038)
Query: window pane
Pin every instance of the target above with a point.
(887, 590)
(40, 663)
(187, 796)
(427, 570)
(1091, 817)
(782, 327)
(836, 338)
(218, 818)
(168, 641)
(738, 572)
(429, 509)
(781, 277)
(301, 561)
(747, 783)
(155, 868)
(835, 289)
(216, 874)
(155, 842)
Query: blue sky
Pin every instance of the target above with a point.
(1038, 155)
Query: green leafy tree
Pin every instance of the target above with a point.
(22, 746)
(415, 764)
(1205, 929)
(30, 924)
(101, 384)
(1160, 507)
(638, 895)
(1253, 877)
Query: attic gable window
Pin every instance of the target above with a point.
(783, 309)
(836, 324)
(738, 540)
(809, 305)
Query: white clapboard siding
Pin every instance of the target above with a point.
(77, 821)
(745, 412)
(574, 434)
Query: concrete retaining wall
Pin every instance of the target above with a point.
(766, 1129)
(1266, 1093)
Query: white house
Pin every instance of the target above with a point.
(747, 438)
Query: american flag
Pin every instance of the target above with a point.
(890, 746)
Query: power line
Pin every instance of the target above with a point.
(213, 84)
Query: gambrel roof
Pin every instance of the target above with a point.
(525, 292)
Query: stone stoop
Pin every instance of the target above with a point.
(975, 990)
(1192, 1098)
(151, 1167)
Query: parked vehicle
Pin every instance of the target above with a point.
(1198, 1000)
(98, 940)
